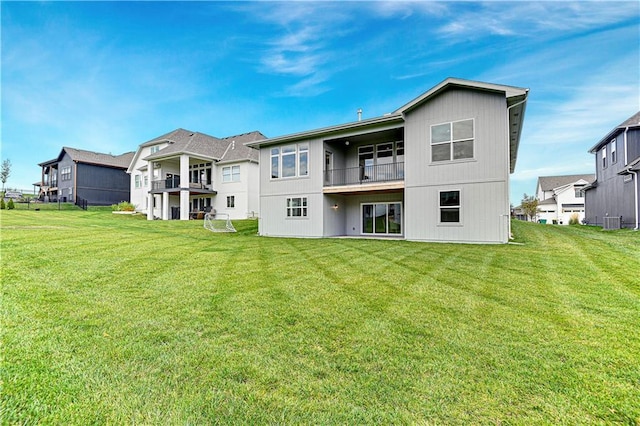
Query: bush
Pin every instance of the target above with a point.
(574, 220)
(123, 206)
(10, 205)
(2, 204)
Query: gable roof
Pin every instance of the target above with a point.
(549, 183)
(632, 122)
(516, 98)
(121, 161)
(182, 141)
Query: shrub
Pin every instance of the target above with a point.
(2, 204)
(10, 205)
(574, 220)
(123, 206)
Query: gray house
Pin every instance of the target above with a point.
(613, 200)
(100, 179)
(436, 169)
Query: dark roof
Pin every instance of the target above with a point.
(549, 183)
(183, 141)
(631, 122)
(121, 161)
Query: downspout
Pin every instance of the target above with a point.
(635, 184)
(526, 96)
(625, 146)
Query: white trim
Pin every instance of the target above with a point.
(304, 208)
(459, 207)
(452, 141)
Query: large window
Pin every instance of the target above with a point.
(297, 207)
(65, 173)
(382, 218)
(200, 173)
(449, 206)
(452, 141)
(384, 161)
(290, 161)
(231, 174)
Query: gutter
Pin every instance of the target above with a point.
(526, 96)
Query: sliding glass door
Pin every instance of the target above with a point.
(382, 218)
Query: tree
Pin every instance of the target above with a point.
(5, 171)
(529, 206)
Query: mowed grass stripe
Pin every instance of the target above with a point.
(123, 320)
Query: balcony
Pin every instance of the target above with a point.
(381, 177)
(172, 185)
(168, 183)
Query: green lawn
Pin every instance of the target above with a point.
(110, 319)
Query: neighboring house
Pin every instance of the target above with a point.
(436, 169)
(99, 179)
(561, 197)
(179, 174)
(613, 200)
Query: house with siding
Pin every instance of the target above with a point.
(436, 169)
(100, 179)
(183, 173)
(613, 199)
(562, 197)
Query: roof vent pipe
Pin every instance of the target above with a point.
(359, 114)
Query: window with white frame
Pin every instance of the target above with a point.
(452, 141)
(231, 174)
(579, 191)
(65, 173)
(138, 181)
(613, 152)
(604, 157)
(146, 181)
(155, 149)
(231, 201)
(449, 205)
(297, 207)
(290, 161)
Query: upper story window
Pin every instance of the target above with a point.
(231, 174)
(200, 173)
(138, 181)
(65, 173)
(579, 193)
(613, 152)
(155, 149)
(290, 161)
(452, 141)
(604, 157)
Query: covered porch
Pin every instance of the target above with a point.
(367, 162)
(181, 187)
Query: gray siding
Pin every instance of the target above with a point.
(483, 180)
(611, 195)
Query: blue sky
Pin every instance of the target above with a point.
(107, 76)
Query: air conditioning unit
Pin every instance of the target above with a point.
(612, 222)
